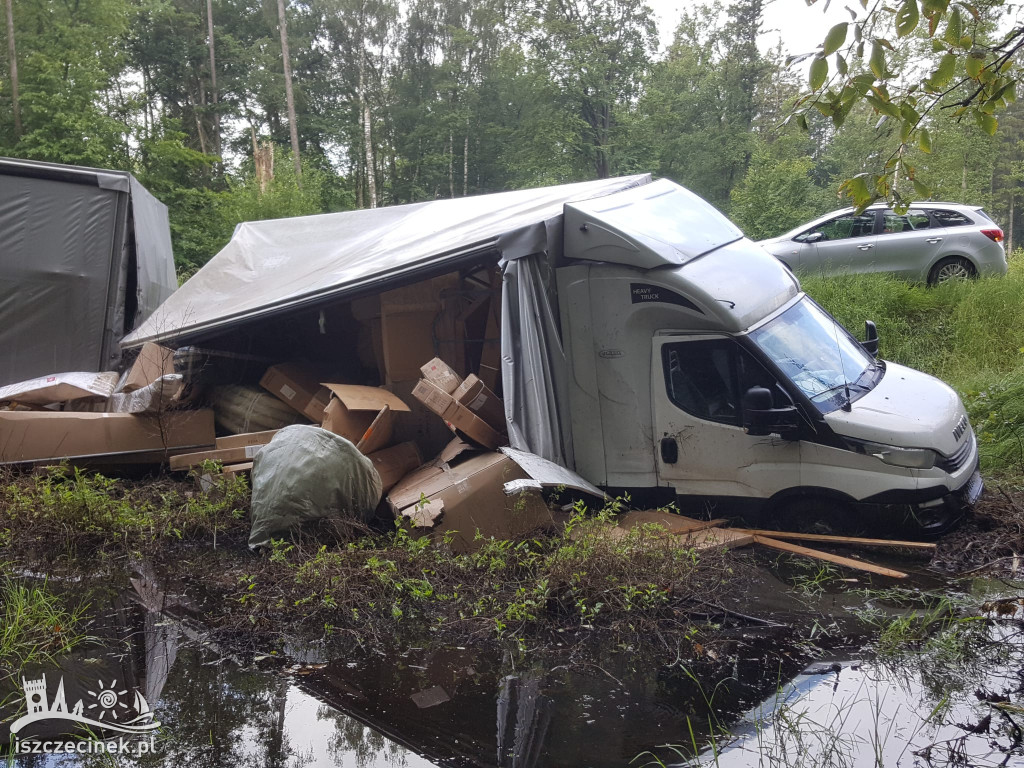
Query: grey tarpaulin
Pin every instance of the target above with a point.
(86, 256)
(269, 266)
(533, 364)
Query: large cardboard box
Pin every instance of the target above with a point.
(418, 322)
(458, 416)
(353, 409)
(246, 438)
(394, 463)
(36, 435)
(153, 362)
(467, 497)
(235, 455)
(479, 398)
(299, 388)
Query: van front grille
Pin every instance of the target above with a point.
(959, 458)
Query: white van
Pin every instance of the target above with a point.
(698, 364)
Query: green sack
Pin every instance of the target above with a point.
(306, 473)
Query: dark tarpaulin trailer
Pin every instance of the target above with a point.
(85, 257)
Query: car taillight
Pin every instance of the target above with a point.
(995, 235)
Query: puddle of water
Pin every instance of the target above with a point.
(466, 706)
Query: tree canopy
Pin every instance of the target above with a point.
(399, 102)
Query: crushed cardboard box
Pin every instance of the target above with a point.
(246, 438)
(153, 363)
(43, 435)
(61, 388)
(461, 498)
(353, 409)
(299, 388)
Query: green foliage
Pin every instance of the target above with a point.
(582, 576)
(971, 71)
(65, 508)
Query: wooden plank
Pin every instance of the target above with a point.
(672, 523)
(234, 469)
(836, 539)
(796, 549)
(716, 538)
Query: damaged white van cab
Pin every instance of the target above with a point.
(754, 397)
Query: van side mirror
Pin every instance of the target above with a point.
(870, 342)
(760, 419)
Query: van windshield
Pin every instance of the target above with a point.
(817, 354)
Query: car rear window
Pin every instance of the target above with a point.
(946, 218)
(984, 215)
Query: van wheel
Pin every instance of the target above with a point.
(951, 268)
(815, 514)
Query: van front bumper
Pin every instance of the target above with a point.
(929, 511)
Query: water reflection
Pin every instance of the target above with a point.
(464, 706)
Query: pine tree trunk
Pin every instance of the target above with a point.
(14, 69)
(289, 95)
(1009, 229)
(465, 162)
(213, 79)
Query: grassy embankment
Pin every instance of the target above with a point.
(970, 335)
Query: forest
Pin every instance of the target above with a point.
(235, 110)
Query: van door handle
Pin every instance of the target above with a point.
(934, 240)
(669, 450)
(866, 247)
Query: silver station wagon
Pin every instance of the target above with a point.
(931, 242)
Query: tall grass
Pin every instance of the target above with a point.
(969, 334)
(35, 625)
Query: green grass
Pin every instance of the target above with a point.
(969, 334)
(35, 625)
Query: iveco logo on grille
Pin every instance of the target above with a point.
(960, 428)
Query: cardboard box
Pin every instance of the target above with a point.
(246, 438)
(441, 375)
(299, 388)
(61, 387)
(237, 455)
(153, 362)
(36, 435)
(467, 497)
(458, 416)
(353, 409)
(392, 464)
(479, 398)
(418, 322)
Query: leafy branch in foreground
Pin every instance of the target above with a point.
(971, 72)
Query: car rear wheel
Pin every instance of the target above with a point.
(951, 268)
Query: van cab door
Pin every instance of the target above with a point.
(700, 446)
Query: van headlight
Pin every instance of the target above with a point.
(912, 458)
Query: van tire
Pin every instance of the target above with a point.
(951, 268)
(814, 514)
